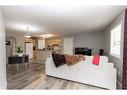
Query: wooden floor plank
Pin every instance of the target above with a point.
(34, 78)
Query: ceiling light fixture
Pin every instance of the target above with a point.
(27, 35)
(47, 35)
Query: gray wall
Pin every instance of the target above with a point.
(20, 39)
(118, 62)
(2, 52)
(88, 39)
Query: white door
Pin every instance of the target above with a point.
(29, 50)
(68, 45)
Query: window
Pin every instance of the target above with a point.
(115, 41)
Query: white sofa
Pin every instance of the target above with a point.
(102, 75)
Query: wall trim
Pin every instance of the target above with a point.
(5, 86)
(119, 84)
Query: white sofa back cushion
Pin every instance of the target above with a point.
(103, 59)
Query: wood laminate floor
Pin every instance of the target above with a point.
(33, 77)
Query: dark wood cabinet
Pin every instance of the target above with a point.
(15, 59)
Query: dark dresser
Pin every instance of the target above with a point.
(15, 59)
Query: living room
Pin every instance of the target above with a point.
(63, 31)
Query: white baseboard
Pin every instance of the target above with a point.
(5, 86)
(119, 84)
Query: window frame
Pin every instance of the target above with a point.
(113, 54)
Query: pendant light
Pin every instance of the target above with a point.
(27, 35)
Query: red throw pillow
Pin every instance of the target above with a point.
(96, 59)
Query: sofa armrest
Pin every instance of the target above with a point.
(111, 65)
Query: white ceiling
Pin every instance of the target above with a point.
(60, 19)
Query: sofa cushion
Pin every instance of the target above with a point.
(58, 59)
(103, 60)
